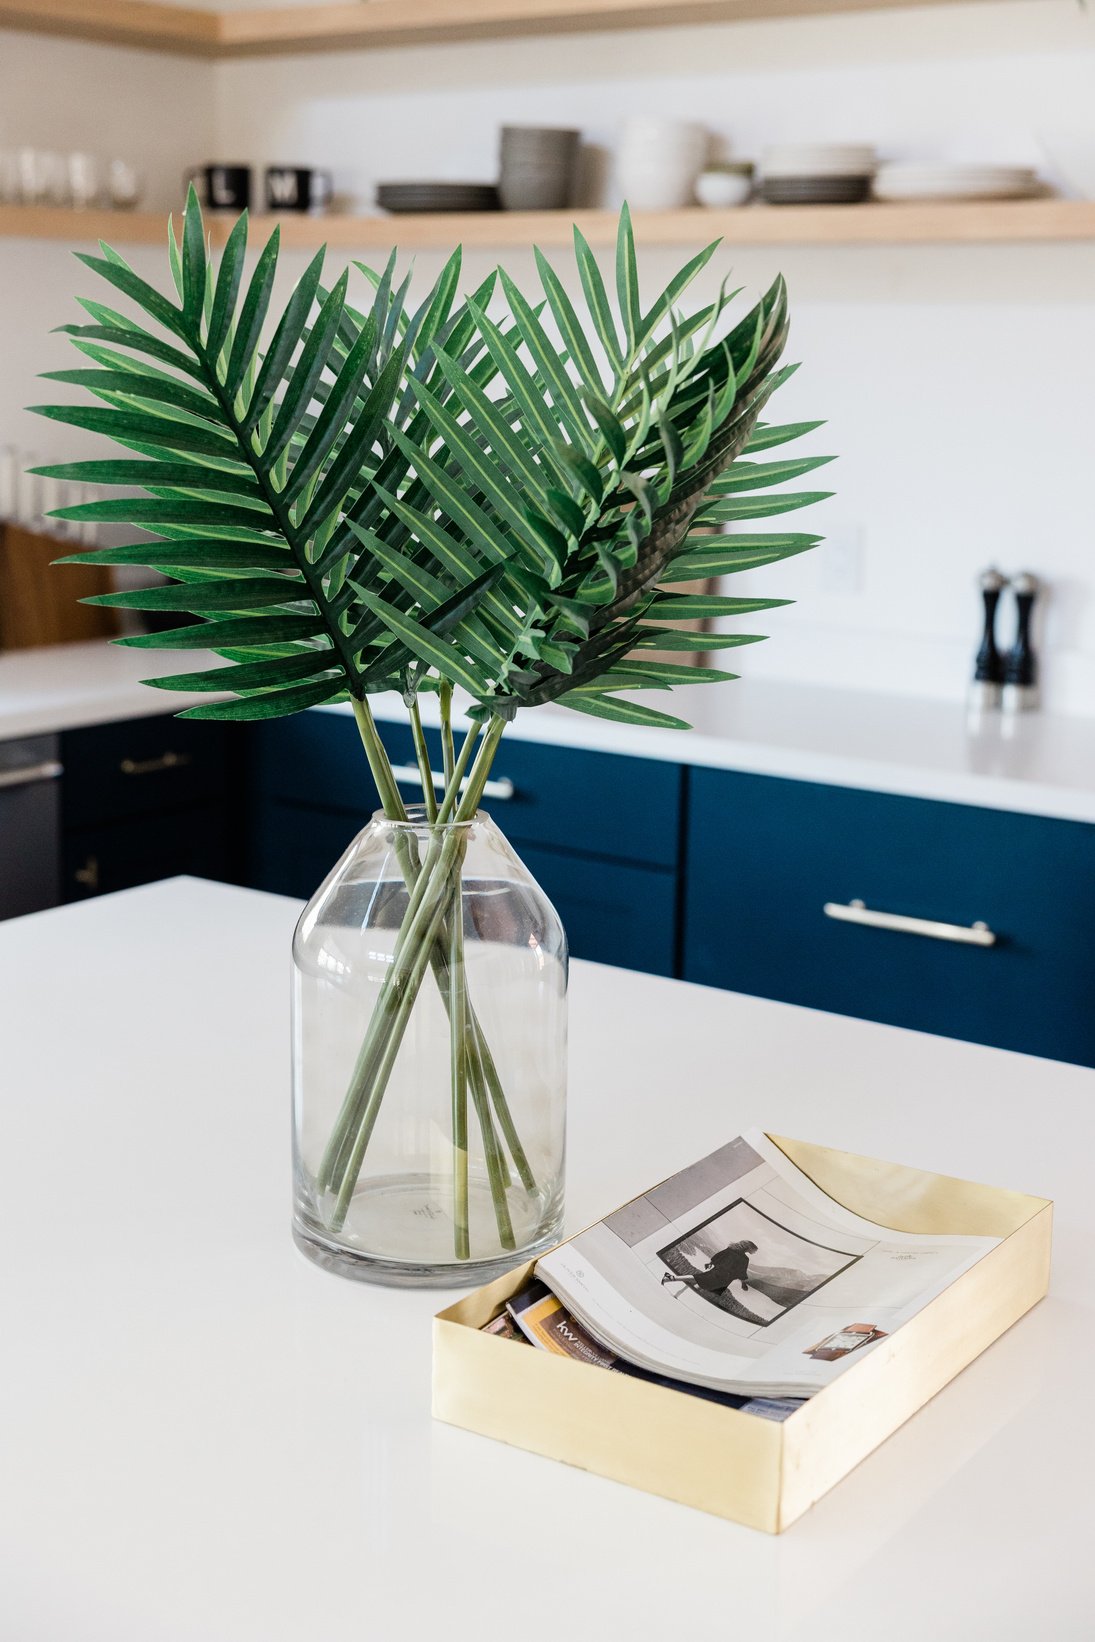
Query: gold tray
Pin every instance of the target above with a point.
(755, 1471)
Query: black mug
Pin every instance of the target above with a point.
(297, 188)
(223, 187)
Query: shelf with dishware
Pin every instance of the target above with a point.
(207, 32)
(950, 222)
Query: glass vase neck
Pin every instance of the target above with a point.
(419, 824)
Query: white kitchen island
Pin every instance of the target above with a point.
(207, 1439)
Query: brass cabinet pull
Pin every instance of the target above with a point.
(153, 766)
(855, 912)
(409, 775)
(88, 874)
(29, 774)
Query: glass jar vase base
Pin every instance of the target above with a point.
(429, 1058)
(399, 1237)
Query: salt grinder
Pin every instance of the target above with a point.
(1020, 694)
(988, 672)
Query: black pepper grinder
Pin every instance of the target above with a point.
(1020, 693)
(988, 671)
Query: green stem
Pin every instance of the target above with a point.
(452, 790)
(421, 752)
(423, 937)
(393, 1010)
(378, 762)
(370, 1055)
(458, 1037)
(484, 1061)
(448, 751)
(480, 770)
(497, 1172)
(413, 949)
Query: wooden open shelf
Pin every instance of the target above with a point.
(953, 223)
(201, 31)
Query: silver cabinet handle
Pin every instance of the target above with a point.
(409, 775)
(854, 912)
(30, 773)
(153, 766)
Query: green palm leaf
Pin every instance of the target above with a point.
(378, 495)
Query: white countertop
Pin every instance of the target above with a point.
(205, 1437)
(1040, 764)
(62, 686)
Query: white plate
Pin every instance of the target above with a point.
(954, 190)
(957, 173)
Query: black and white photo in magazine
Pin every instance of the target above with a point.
(749, 1265)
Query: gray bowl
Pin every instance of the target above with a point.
(535, 190)
(537, 176)
(533, 139)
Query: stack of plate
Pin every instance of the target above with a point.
(817, 173)
(915, 181)
(437, 196)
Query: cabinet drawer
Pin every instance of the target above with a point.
(613, 913)
(100, 860)
(313, 759)
(765, 855)
(144, 764)
(604, 804)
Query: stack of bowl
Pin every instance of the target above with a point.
(817, 173)
(537, 167)
(659, 161)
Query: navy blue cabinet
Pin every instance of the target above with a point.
(292, 847)
(146, 799)
(613, 912)
(714, 875)
(601, 833)
(765, 855)
(193, 842)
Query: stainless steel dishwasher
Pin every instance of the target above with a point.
(30, 825)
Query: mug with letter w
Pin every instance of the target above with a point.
(297, 188)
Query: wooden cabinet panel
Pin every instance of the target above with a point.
(764, 855)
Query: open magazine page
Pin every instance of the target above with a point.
(740, 1274)
(539, 1317)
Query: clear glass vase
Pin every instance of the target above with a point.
(429, 1058)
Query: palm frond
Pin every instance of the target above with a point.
(383, 497)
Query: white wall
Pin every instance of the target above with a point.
(62, 95)
(956, 382)
(153, 110)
